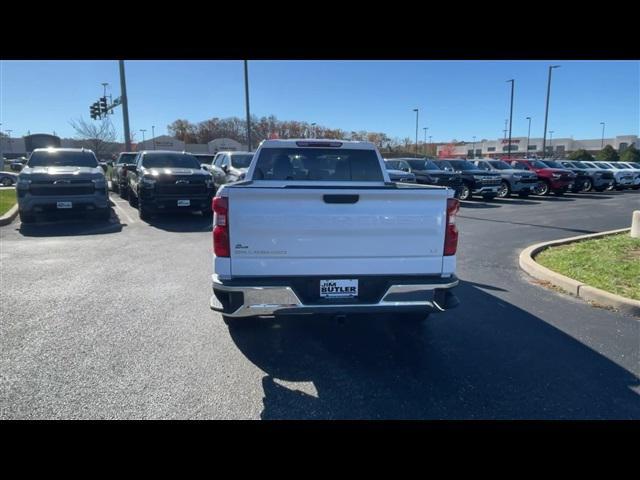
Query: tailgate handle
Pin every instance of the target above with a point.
(341, 198)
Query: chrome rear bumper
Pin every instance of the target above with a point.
(272, 300)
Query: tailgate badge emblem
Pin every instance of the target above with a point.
(61, 181)
(181, 182)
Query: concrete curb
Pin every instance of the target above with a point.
(574, 287)
(10, 216)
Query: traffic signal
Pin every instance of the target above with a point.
(95, 111)
(103, 105)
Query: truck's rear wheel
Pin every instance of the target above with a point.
(465, 192)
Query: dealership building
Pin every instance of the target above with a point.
(523, 147)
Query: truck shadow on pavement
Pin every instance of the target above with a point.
(53, 225)
(490, 360)
(181, 222)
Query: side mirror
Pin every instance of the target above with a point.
(204, 166)
(17, 167)
(225, 168)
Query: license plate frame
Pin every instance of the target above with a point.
(184, 203)
(339, 288)
(64, 205)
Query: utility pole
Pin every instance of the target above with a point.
(416, 110)
(246, 94)
(425, 139)
(546, 111)
(528, 136)
(513, 82)
(125, 107)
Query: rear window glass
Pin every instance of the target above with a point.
(318, 164)
(127, 158)
(241, 160)
(169, 160)
(55, 158)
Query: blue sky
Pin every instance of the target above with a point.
(457, 99)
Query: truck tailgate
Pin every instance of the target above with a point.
(323, 230)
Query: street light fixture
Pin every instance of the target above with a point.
(546, 111)
(528, 136)
(416, 110)
(602, 141)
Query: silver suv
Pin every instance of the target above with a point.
(514, 180)
(62, 179)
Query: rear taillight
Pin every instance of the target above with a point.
(451, 231)
(220, 206)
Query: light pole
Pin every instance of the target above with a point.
(473, 150)
(142, 130)
(504, 131)
(425, 139)
(546, 111)
(125, 107)
(551, 142)
(416, 110)
(246, 95)
(528, 136)
(602, 141)
(513, 83)
(153, 135)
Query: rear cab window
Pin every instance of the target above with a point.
(309, 164)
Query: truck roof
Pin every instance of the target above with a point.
(317, 142)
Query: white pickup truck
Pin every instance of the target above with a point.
(318, 227)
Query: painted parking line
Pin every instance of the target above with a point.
(120, 209)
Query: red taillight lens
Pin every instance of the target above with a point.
(220, 206)
(451, 231)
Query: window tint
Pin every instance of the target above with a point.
(318, 164)
(58, 158)
(241, 160)
(127, 158)
(170, 160)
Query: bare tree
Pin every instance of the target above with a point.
(97, 136)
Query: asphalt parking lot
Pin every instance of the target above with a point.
(111, 320)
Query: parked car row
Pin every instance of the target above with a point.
(490, 178)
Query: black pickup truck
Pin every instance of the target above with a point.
(475, 181)
(169, 181)
(427, 172)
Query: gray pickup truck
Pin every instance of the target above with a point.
(62, 179)
(514, 180)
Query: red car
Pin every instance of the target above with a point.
(554, 180)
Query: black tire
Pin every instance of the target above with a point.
(143, 211)
(543, 189)
(26, 217)
(465, 192)
(133, 200)
(505, 190)
(6, 182)
(587, 186)
(103, 213)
